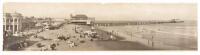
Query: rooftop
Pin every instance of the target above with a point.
(79, 16)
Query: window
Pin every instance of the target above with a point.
(11, 20)
(15, 28)
(15, 20)
(11, 27)
(7, 20)
(7, 26)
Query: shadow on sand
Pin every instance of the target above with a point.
(14, 47)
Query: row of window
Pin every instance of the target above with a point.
(79, 19)
(11, 20)
(10, 26)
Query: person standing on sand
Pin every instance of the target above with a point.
(36, 36)
(25, 44)
(112, 37)
(45, 48)
(92, 28)
(42, 49)
(71, 43)
(21, 44)
(53, 46)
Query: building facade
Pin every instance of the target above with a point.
(12, 22)
(81, 19)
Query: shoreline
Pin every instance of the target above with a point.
(168, 46)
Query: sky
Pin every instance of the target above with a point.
(107, 11)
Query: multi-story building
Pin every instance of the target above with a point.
(81, 19)
(12, 23)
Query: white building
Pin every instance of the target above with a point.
(81, 19)
(12, 23)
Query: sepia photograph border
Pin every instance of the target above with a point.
(164, 52)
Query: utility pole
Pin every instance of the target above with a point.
(152, 38)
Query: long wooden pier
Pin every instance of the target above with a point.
(120, 23)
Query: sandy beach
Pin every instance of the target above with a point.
(169, 36)
(99, 45)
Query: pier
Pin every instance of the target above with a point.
(123, 23)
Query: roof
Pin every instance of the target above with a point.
(7, 15)
(12, 15)
(80, 16)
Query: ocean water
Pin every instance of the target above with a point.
(187, 27)
(182, 35)
(176, 34)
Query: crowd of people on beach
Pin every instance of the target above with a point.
(47, 47)
(84, 35)
(69, 40)
(22, 44)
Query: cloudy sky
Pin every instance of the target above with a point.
(107, 11)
